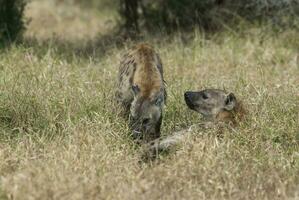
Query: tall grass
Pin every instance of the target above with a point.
(61, 137)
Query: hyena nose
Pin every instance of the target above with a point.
(187, 95)
(188, 99)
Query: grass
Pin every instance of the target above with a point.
(61, 137)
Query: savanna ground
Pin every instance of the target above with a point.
(61, 137)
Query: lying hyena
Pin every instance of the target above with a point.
(141, 91)
(214, 105)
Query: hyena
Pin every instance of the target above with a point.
(141, 91)
(213, 104)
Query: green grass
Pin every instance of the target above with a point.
(61, 137)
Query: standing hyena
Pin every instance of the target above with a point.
(141, 91)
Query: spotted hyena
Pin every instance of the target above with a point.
(213, 104)
(141, 91)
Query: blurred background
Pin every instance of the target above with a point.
(87, 19)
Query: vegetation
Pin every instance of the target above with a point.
(11, 20)
(207, 14)
(61, 137)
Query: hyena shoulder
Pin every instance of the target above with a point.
(141, 66)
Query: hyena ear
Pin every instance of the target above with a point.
(230, 102)
(135, 89)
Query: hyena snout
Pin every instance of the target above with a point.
(190, 99)
(147, 128)
(146, 125)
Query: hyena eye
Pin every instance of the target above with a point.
(159, 101)
(135, 89)
(205, 96)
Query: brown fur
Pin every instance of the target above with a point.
(147, 77)
(232, 117)
(140, 66)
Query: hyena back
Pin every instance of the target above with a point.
(141, 91)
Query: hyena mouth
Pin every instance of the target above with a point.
(144, 135)
(136, 134)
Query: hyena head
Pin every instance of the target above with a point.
(212, 103)
(146, 114)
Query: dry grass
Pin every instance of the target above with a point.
(60, 137)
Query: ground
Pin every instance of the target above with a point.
(61, 137)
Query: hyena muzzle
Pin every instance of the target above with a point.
(141, 91)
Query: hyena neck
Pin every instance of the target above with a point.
(147, 75)
(150, 83)
(232, 117)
